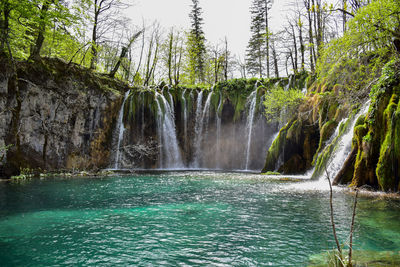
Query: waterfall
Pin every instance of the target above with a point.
(185, 118)
(167, 135)
(142, 129)
(252, 99)
(171, 99)
(343, 147)
(206, 113)
(121, 127)
(218, 145)
(202, 118)
(289, 82)
(198, 128)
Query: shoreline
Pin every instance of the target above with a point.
(363, 192)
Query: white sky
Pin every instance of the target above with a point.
(230, 18)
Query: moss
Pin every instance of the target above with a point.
(387, 156)
(270, 173)
(294, 131)
(276, 148)
(325, 133)
(321, 161)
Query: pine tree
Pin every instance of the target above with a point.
(196, 44)
(259, 43)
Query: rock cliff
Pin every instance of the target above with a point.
(55, 116)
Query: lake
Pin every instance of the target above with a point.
(183, 219)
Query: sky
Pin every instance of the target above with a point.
(230, 18)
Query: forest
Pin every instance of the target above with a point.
(97, 35)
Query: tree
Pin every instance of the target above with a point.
(274, 56)
(105, 14)
(196, 44)
(357, 58)
(43, 18)
(267, 7)
(25, 25)
(255, 52)
(152, 55)
(258, 47)
(307, 5)
(6, 8)
(124, 53)
(226, 59)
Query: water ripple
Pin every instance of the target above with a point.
(185, 219)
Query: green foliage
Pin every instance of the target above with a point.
(237, 92)
(279, 100)
(196, 47)
(25, 173)
(3, 151)
(28, 19)
(256, 49)
(356, 59)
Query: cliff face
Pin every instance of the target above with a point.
(299, 142)
(307, 140)
(55, 116)
(377, 135)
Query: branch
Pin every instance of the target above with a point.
(343, 11)
(352, 228)
(332, 219)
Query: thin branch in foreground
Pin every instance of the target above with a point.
(352, 228)
(331, 209)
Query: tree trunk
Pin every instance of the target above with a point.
(226, 60)
(93, 61)
(267, 35)
(344, 15)
(35, 53)
(149, 54)
(116, 67)
(295, 60)
(5, 26)
(216, 64)
(140, 58)
(170, 46)
(275, 58)
(302, 46)
(310, 34)
(124, 53)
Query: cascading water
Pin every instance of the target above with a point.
(167, 135)
(200, 134)
(142, 130)
(206, 113)
(185, 118)
(289, 82)
(196, 137)
(250, 120)
(198, 129)
(121, 127)
(343, 147)
(218, 122)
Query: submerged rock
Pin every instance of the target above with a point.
(360, 258)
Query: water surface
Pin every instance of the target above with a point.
(190, 218)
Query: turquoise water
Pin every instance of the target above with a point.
(181, 219)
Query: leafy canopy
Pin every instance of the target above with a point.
(357, 58)
(280, 102)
